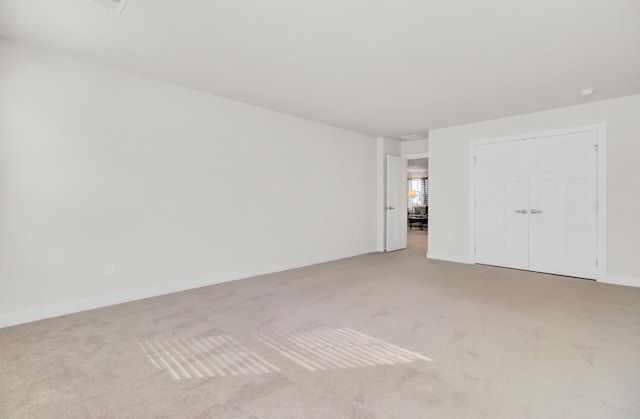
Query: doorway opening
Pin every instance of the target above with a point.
(418, 204)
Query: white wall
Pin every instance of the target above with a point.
(414, 147)
(178, 188)
(449, 178)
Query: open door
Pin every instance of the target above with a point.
(396, 209)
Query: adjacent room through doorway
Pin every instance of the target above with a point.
(417, 203)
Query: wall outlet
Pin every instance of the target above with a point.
(110, 269)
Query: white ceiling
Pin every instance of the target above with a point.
(380, 67)
(418, 165)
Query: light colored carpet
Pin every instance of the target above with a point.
(384, 336)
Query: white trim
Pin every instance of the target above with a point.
(75, 306)
(539, 134)
(620, 280)
(601, 133)
(472, 202)
(415, 156)
(448, 258)
(381, 198)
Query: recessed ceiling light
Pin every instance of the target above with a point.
(587, 91)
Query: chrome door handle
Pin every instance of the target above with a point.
(390, 208)
(535, 211)
(522, 211)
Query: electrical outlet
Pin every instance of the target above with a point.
(110, 269)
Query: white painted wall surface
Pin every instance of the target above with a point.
(178, 188)
(414, 147)
(449, 177)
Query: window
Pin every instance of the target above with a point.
(421, 188)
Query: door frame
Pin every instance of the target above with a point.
(601, 174)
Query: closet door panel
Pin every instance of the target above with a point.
(501, 205)
(563, 204)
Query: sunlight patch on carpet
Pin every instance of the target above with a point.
(202, 357)
(327, 349)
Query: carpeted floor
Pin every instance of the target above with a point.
(376, 336)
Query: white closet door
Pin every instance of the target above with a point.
(563, 204)
(502, 227)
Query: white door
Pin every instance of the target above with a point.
(502, 204)
(563, 204)
(396, 209)
(536, 204)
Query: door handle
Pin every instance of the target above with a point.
(535, 211)
(522, 211)
(390, 208)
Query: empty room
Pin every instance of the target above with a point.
(336, 209)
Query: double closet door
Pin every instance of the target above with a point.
(536, 204)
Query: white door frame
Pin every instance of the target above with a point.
(415, 156)
(601, 134)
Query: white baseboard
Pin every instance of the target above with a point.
(75, 306)
(620, 280)
(448, 258)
